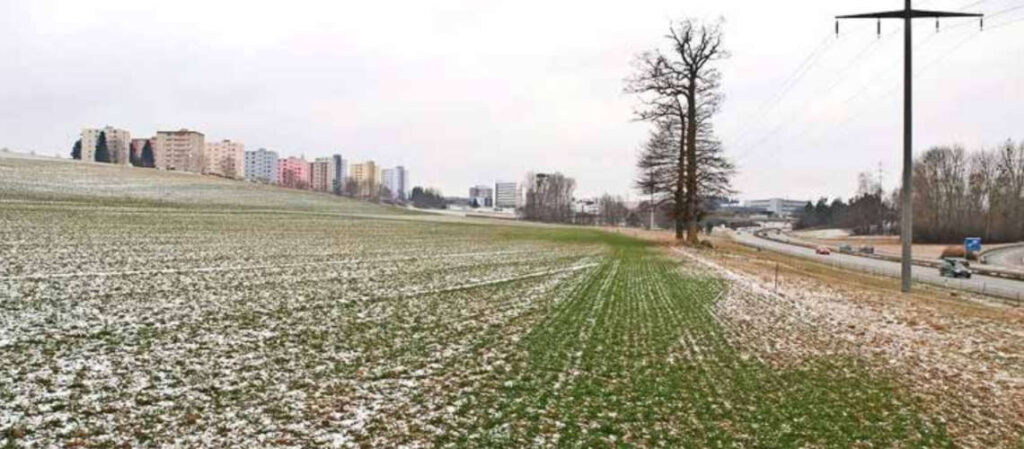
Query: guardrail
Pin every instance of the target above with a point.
(1010, 296)
(1006, 273)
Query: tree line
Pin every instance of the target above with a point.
(682, 163)
(956, 195)
(959, 195)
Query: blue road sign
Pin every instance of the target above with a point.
(972, 244)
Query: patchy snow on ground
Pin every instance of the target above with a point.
(968, 369)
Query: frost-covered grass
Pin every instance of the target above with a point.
(128, 322)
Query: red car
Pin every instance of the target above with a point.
(823, 250)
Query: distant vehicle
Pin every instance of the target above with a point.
(866, 249)
(823, 250)
(955, 268)
(845, 249)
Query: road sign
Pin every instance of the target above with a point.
(972, 244)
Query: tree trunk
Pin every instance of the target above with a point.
(682, 214)
(691, 161)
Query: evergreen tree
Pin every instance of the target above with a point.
(76, 151)
(102, 152)
(148, 160)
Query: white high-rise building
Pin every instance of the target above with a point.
(225, 158)
(261, 166)
(397, 181)
(119, 143)
(506, 195)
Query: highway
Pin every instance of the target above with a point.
(1010, 256)
(1003, 288)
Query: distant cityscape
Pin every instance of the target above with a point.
(188, 151)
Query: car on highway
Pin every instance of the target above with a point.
(955, 268)
(845, 249)
(823, 250)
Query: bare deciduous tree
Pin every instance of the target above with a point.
(679, 94)
(549, 197)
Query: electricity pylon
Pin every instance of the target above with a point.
(907, 14)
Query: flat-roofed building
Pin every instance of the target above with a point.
(340, 173)
(481, 196)
(261, 166)
(225, 158)
(777, 206)
(397, 181)
(367, 177)
(322, 172)
(293, 172)
(119, 143)
(180, 150)
(506, 195)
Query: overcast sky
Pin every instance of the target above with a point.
(467, 92)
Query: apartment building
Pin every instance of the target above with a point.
(225, 158)
(261, 166)
(180, 150)
(397, 181)
(367, 177)
(322, 174)
(293, 172)
(118, 143)
(340, 172)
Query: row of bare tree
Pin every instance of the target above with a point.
(959, 194)
(548, 197)
(682, 164)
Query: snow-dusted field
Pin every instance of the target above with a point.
(203, 316)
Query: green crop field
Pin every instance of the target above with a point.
(144, 317)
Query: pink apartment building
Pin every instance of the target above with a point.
(293, 172)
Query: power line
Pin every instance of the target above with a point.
(908, 14)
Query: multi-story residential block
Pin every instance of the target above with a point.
(340, 173)
(367, 177)
(322, 172)
(397, 181)
(225, 158)
(118, 143)
(506, 195)
(293, 172)
(181, 150)
(261, 166)
(481, 196)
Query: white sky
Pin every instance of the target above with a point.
(468, 92)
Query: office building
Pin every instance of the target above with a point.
(225, 158)
(778, 206)
(180, 150)
(261, 166)
(506, 195)
(481, 196)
